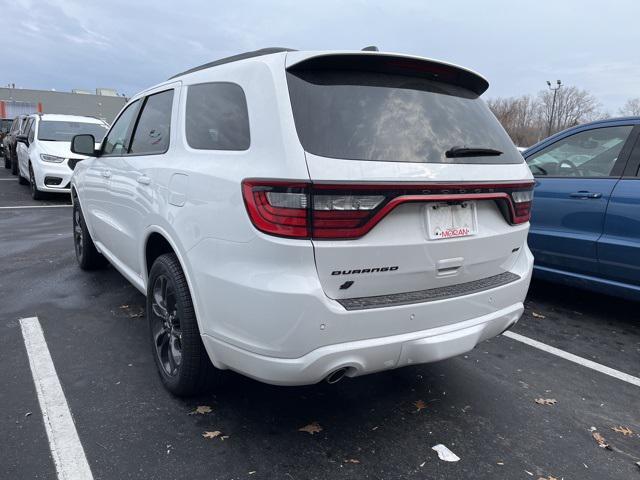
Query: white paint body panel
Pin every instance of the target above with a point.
(261, 304)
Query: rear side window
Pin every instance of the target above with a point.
(393, 118)
(151, 134)
(216, 117)
(32, 131)
(28, 123)
(23, 125)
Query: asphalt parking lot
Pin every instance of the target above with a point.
(480, 405)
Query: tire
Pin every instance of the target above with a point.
(21, 179)
(87, 255)
(14, 164)
(180, 356)
(35, 193)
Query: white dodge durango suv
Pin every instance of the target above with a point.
(298, 216)
(44, 150)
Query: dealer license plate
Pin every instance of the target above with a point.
(451, 221)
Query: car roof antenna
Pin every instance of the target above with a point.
(371, 48)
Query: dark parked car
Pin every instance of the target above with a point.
(9, 143)
(585, 225)
(5, 126)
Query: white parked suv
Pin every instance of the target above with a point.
(299, 216)
(44, 153)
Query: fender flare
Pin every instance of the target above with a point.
(145, 276)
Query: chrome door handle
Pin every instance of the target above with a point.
(106, 173)
(144, 180)
(585, 195)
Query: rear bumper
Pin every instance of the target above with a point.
(365, 356)
(263, 313)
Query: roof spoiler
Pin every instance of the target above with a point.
(396, 65)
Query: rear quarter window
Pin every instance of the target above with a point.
(216, 117)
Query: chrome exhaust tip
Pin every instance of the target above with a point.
(336, 375)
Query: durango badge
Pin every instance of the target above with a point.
(364, 270)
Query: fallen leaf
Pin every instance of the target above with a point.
(351, 460)
(27, 414)
(420, 405)
(124, 306)
(202, 409)
(547, 478)
(252, 472)
(313, 427)
(546, 401)
(445, 454)
(537, 315)
(602, 443)
(626, 431)
(213, 434)
(422, 464)
(500, 463)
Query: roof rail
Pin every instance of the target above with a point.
(235, 58)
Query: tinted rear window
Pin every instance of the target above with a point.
(58, 131)
(393, 118)
(216, 117)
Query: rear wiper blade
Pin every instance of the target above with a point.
(458, 152)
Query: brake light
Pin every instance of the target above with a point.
(337, 211)
(522, 201)
(278, 208)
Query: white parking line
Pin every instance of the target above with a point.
(34, 206)
(7, 179)
(66, 449)
(625, 377)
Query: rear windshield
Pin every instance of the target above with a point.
(57, 131)
(392, 118)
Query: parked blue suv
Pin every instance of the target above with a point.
(585, 225)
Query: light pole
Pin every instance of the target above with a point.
(553, 104)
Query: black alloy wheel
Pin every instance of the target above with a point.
(165, 325)
(182, 360)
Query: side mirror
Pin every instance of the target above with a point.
(23, 139)
(84, 144)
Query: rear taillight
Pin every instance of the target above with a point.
(337, 211)
(278, 208)
(522, 201)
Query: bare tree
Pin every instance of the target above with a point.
(573, 106)
(631, 108)
(526, 118)
(518, 116)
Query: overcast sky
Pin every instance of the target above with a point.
(517, 45)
